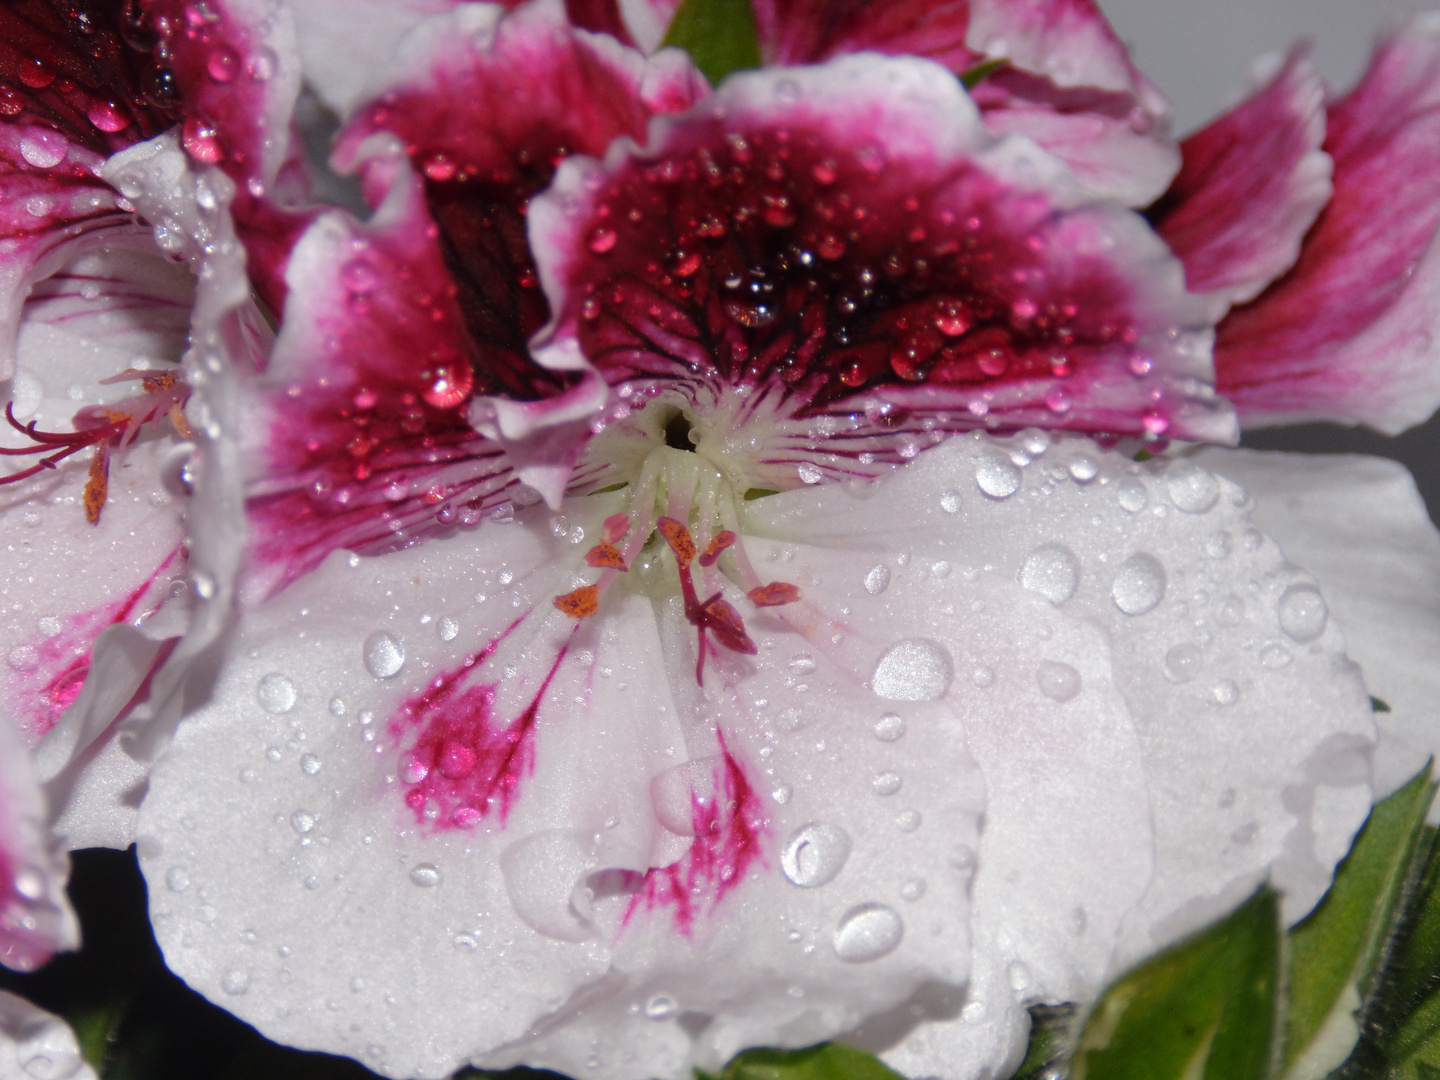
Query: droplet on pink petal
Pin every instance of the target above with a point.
(602, 240)
(222, 64)
(107, 117)
(202, 141)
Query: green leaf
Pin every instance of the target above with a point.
(1336, 952)
(1050, 1027)
(973, 76)
(1204, 1009)
(828, 1061)
(1378, 704)
(719, 35)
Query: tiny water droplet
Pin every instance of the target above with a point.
(877, 579)
(235, 981)
(337, 706)
(867, 932)
(913, 889)
(886, 783)
(1193, 488)
(447, 628)
(1139, 584)
(815, 854)
(907, 821)
(1225, 692)
(384, 655)
(1182, 662)
(950, 502)
(426, 875)
(276, 693)
(177, 879)
(889, 727)
(802, 664)
(661, 1007)
(1130, 493)
(1274, 656)
(309, 764)
(1057, 681)
(1303, 613)
(302, 821)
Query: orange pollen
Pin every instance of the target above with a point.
(607, 555)
(775, 594)
(678, 537)
(163, 381)
(97, 487)
(716, 546)
(580, 604)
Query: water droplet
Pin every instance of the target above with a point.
(107, 117)
(885, 783)
(42, 148)
(996, 476)
(1139, 584)
(1193, 488)
(877, 579)
(177, 879)
(235, 981)
(1019, 976)
(950, 502)
(412, 769)
(867, 932)
(222, 64)
(302, 821)
(337, 706)
(983, 677)
(309, 764)
(889, 727)
(426, 875)
(1218, 546)
(913, 889)
(383, 654)
(802, 664)
(916, 669)
(276, 693)
(809, 473)
(447, 628)
(1274, 656)
(1057, 681)
(1131, 495)
(1303, 613)
(1230, 611)
(907, 821)
(201, 141)
(661, 1007)
(1225, 692)
(23, 658)
(1053, 571)
(815, 854)
(1182, 662)
(1083, 468)
(603, 239)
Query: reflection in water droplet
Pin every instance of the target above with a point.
(916, 669)
(1193, 488)
(814, 854)
(1182, 662)
(384, 655)
(1139, 584)
(426, 875)
(661, 1007)
(276, 693)
(1083, 468)
(889, 727)
(997, 477)
(1303, 613)
(877, 579)
(1053, 571)
(1057, 681)
(867, 932)
(1131, 495)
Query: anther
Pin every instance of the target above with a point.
(776, 594)
(606, 555)
(716, 546)
(580, 604)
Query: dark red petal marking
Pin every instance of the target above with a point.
(360, 434)
(486, 124)
(465, 760)
(37, 696)
(808, 31)
(776, 594)
(1349, 334)
(1250, 187)
(808, 250)
(716, 547)
(730, 829)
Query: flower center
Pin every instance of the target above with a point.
(686, 476)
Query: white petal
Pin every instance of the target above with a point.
(1359, 525)
(34, 1043)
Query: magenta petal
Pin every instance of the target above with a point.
(1350, 333)
(358, 427)
(1251, 186)
(846, 241)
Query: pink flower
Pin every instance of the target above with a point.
(683, 605)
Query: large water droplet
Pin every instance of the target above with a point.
(1131, 495)
(1303, 613)
(541, 873)
(877, 579)
(23, 658)
(950, 502)
(1057, 681)
(309, 764)
(177, 879)
(276, 693)
(867, 932)
(1193, 488)
(1053, 571)
(426, 875)
(384, 655)
(996, 476)
(1139, 584)
(916, 669)
(42, 148)
(814, 854)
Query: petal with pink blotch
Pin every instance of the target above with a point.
(1251, 186)
(845, 253)
(1349, 334)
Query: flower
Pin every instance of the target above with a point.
(645, 649)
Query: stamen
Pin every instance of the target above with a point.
(97, 487)
(716, 546)
(678, 537)
(776, 594)
(616, 526)
(606, 555)
(580, 604)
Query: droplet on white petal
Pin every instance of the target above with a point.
(916, 669)
(384, 655)
(867, 932)
(276, 693)
(1053, 571)
(1139, 584)
(815, 854)
(1303, 613)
